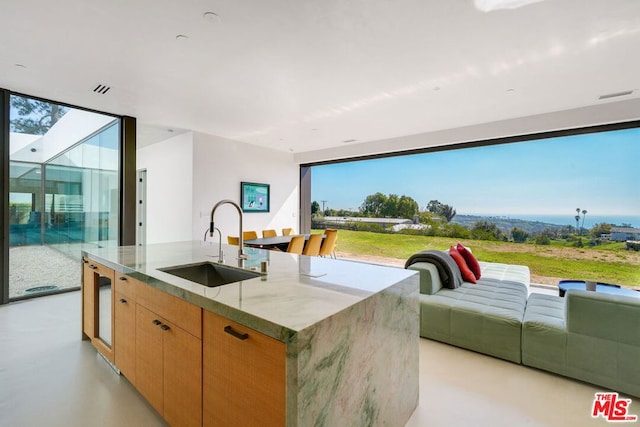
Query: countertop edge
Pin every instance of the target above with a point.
(279, 332)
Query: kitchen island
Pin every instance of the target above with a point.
(344, 334)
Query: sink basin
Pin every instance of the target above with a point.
(210, 274)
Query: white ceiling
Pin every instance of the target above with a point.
(308, 75)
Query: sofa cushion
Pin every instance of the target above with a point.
(485, 317)
(603, 346)
(466, 272)
(471, 260)
(430, 282)
(544, 333)
(509, 272)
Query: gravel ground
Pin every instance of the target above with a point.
(32, 266)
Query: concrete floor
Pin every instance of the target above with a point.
(49, 377)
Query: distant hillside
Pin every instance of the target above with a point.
(506, 224)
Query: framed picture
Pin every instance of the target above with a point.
(254, 197)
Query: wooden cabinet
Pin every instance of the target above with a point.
(244, 377)
(168, 357)
(97, 309)
(195, 369)
(124, 324)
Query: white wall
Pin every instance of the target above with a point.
(219, 167)
(189, 173)
(169, 166)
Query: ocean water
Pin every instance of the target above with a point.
(569, 219)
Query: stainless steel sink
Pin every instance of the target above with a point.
(210, 274)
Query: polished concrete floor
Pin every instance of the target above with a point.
(49, 377)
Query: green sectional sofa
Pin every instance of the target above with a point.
(484, 317)
(590, 336)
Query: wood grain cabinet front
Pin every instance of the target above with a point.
(168, 366)
(125, 335)
(97, 307)
(244, 378)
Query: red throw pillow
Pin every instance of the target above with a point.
(467, 274)
(472, 262)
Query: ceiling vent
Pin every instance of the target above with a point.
(614, 95)
(101, 89)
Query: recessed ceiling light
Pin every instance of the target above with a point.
(182, 38)
(20, 66)
(349, 140)
(510, 90)
(170, 130)
(211, 17)
(490, 5)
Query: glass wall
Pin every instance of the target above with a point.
(64, 192)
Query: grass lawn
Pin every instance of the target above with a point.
(610, 263)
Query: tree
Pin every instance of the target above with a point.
(542, 239)
(315, 207)
(390, 207)
(373, 205)
(34, 117)
(519, 235)
(600, 229)
(485, 230)
(584, 214)
(407, 207)
(445, 211)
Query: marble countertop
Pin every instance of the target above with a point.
(296, 293)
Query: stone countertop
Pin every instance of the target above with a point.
(296, 293)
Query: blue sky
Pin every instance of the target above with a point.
(599, 172)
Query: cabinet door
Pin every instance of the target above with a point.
(149, 349)
(182, 377)
(97, 307)
(125, 335)
(244, 375)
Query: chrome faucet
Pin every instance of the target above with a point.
(220, 253)
(241, 254)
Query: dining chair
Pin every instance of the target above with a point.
(329, 243)
(312, 247)
(296, 245)
(249, 235)
(287, 231)
(233, 240)
(269, 233)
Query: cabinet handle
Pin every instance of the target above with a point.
(156, 322)
(165, 327)
(122, 278)
(228, 329)
(123, 301)
(93, 267)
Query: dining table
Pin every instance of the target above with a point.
(277, 242)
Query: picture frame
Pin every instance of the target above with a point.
(255, 197)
